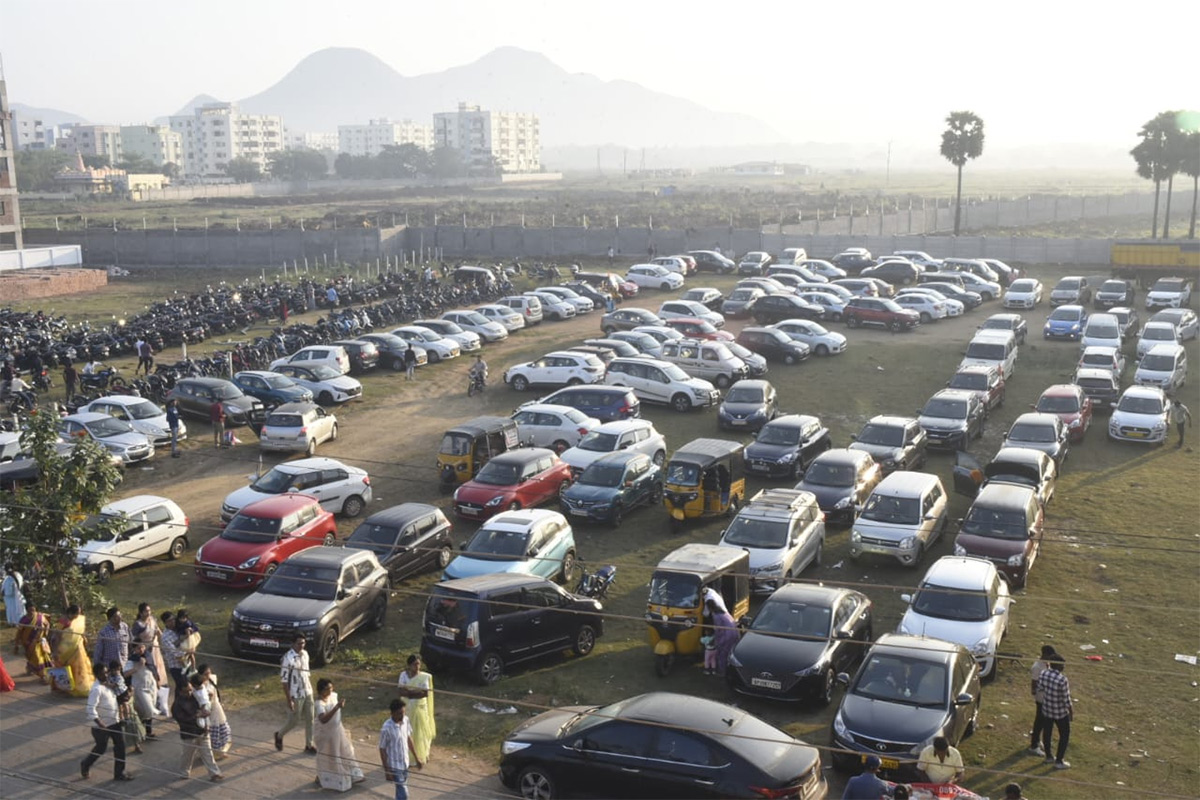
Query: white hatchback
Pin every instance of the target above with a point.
(552, 426)
(636, 435)
(494, 312)
(329, 355)
(481, 326)
(437, 347)
(927, 306)
(819, 339)
(1156, 333)
(1141, 415)
(342, 489)
(653, 276)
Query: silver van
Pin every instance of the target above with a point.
(712, 361)
(902, 518)
(528, 306)
(993, 348)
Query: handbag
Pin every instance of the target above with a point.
(61, 679)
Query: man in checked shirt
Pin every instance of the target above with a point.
(1058, 709)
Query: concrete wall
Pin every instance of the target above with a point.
(37, 257)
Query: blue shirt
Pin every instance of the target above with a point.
(866, 786)
(172, 417)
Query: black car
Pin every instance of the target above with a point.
(748, 405)
(1115, 293)
(195, 397)
(853, 260)
(968, 298)
(894, 442)
(583, 289)
(754, 263)
(482, 624)
(605, 403)
(952, 418)
(407, 539)
(798, 642)
(712, 261)
(612, 486)
(391, 349)
(325, 593)
(658, 745)
(363, 354)
(778, 307)
(773, 344)
(903, 273)
(786, 446)
(842, 480)
(908, 690)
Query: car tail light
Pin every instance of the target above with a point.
(303, 431)
(473, 634)
(583, 431)
(776, 794)
(366, 480)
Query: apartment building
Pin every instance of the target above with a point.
(217, 133)
(370, 139)
(91, 140)
(10, 213)
(510, 138)
(31, 134)
(295, 140)
(155, 143)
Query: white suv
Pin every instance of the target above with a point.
(635, 435)
(655, 381)
(672, 309)
(784, 532)
(560, 368)
(329, 355)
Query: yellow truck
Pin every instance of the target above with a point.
(1147, 260)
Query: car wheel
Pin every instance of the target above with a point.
(894, 326)
(103, 573)
(828, 681)
(353, 506)
(398, 364)
(822, 350)
(177, 548)
(722, 381)
(852, 321)
(568, 566)
(615, 518)
(378, 614)
(434, 357)
(444, 556)
(585, 640)
(609, 330)
(659, 458)
(926, 318)
(681, 403)
(333, 433)
(520, 383)
(789, 359)
(325, 399)
(535, 783)
(329, 540)
(560, 446)
(490, 668)
(664, 286)
(311, 450)
(327, 647)
(269, 571)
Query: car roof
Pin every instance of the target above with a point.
(794, 421)
(809, 593)
(843, 455)
(277, 505)
(204, 381)
(294, 408)
(890, 419)
(522, 455)
(400, 515)
(622, 425)
(1093, 372)
(1145, 391)
(953, 394)
(935, 649)
(960, 572)
(702, 450)
(754, 383)
(683, 711)
(1166, 349)
(1059, 389)
(621, 457)
(903, 483)
(491, 582)
(1040, 418)
(1020, 455)
(971, 369)
(322, 556)
(1008, 496)
(87, 416)
(129, 399)
(129, 505)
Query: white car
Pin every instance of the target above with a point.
(115, 435)
(145, 417)
(1187, 325)
(327, 385)
(148, 527)
(331, 355)
(674, 309)
(481, 326)
(833, 305)
(1165, 365)
(1024, 293)
(823, 268)
(553, 306)
(1103, 357)
(1156, 333)
(552, 426)
(988, 290)
(927, 306)
(581, 303)
(1169, 293)
(493, 312)
(672, 263)
(962, 600)
(468, 341)
(922, 259)
(636, 435)
(660, 332)
(652, 276)
(297, 428)
(1141, 415)
(819, 339)
(560, 368)
(437, 347)
(954, 308)
(342, 489)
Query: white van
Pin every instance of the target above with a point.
(1165, 365)
(995, 348)
(1103, 330)
(712, 361)
(147, 528)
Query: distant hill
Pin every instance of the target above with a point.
(188, 107)
(49, 116)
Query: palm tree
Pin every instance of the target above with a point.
(1191, 167)
(1153, 160)
(961, 141)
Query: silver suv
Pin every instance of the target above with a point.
(712, 361)
(783, 530)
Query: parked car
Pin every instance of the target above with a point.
(488, 330)
(1041, 431)
(841, 480)
(819, 339)
(660, 332)
(502, 314)
(195, 397)
(632, 435)
(324, 593)
(661, 382)
(969, 299)
(437, 347)
(773, 344)
(1065, 322)
(749, 404)
(785, 446)
(1154, 334)
(672, 263)
(896, 443)
(408, 539)
(1007, 274)
(363, 354)
(1141, 415)
(795, 273)
(1024, 293)
(880, 311)
(1187, 325)
(986, 289)
(952, 418)
(1164, 366)
(769, 286)
(529, 541)
(334, 356)
(1071, 290)
(553, 306)
(833, 308)
(392, 349)
(1101, 386)
(1017, 466)
(552, 426)
(260, 535)
(778, 307)
(644, 343)
(1101, 330)
(903, 517)
(754, 362)
(1128, 320)
(740, 302)
(558, 368)
(901, 273)
(853, 259)
(627, 319)
(340, 488)
(1013, 323)
(1071, 405)
(521, 478)
(653, 276)
(858, 287)
(992, 348)
(1005, 525)
(921, 259)
(712, 261)
(582, 304)
(974, 266)
(754, 263)
(297, 428)
(146, 528)
(144, 416)
(929, 307)
(613, 485)
(961, 600)
(711, 361)
(1168, 293)
(115, 435)
(528, 306)
(468, 341)
(326, 384)
(691, 309)
(271, 388)
(695, 328)
(605, 403)
(1115, 292)
(985, 380)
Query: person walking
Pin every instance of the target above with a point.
(1059, 710)
(173, 425)
(216, 415)
(70, 379)
(33, 633)
(112, 642)
(416, 688)
(611, 255)
(105, 721)
(1181, 417)
(395, 746)
(337, 764)
(1040, 723)
(297, 689)
(410, 363)
(12, 590)
(137, 348)
(220, 734)
(283, 310)
(143, 685)
(193, 730)
(867, 785)
(145, 357)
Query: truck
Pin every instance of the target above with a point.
(1147, 260)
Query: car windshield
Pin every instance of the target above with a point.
(1065, 314)
(473, 317)
(1158, 362)
(258, 530)
(277, 420)
(943, 603)
(823, 474)
(499, 473)
(985, 351)
(779, 434)
(883, 435)
(1033, 431)
(1094, 383)
(683, 474)
(1067, 284)
(498, 543)
(1113, 286)
(945, 408)
(896, 510)
(1022, 286)
(902, 679)
(675, 589)
(108, 426)
(599, 442)
(673, 372)
(745, 394)
(302, 580)
(379, 539)
(1167, 285)
(1058, 404)
(995, 523)
(279, 381)
(1103, 331)
(997, 325)
(1140, 405)
(974, 381)
(1100, 360)
(324, 372)
(226, 391)
(274, 482)
(144, 409)
(741, 294)
(601, 474)
(751, 532)
(801, 620)
(1164, 333)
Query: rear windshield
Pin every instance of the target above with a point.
(450, 611)
(285, 420)
(1036, 432)
(986, 351)
(376, 538)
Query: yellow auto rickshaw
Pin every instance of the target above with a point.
(675, 612)
(467, 447)
(704, 478)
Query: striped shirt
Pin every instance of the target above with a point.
(1056, 694)
(393, 740)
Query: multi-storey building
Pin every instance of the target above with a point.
(370, 139)
(217, 133)
(92, 140)
(31, 134)
(295, 140)
(487, 139)
(155, 143)
(10, 213)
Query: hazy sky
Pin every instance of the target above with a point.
(867, 71)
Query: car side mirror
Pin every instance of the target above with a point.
(854, 437)
(908, 598)
(629, 483)
(841, 634)
(843, 678)
(959, 521)
(998, 610)
(964, 699)
(343, 593)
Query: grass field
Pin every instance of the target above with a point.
(1118, 570)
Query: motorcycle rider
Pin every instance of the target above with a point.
(478, 372)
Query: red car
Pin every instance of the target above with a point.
(1069, 403)
(260, 536)
(880, 311)
(694, 328)
(521, 478)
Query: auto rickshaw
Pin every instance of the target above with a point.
(675, 611)
(704, 478)
(467, 447)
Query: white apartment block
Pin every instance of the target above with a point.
(294, 140)
(217, 133)
(92, 140)
(370, 139)
(510, 137)
(31, 134)
(156, 143)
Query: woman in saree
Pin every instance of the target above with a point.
(337, 764)
(71, 651)
(416, 687)
(33, 633)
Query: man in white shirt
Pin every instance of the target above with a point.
(105, 723)
(297, 689)
(395, 745)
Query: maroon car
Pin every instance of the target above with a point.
(881, 311)
(522, 478)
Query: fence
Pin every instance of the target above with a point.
(69, 255)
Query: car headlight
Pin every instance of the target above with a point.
(839, 727)
(734, 661)
(456, 495)
(698, 392)
(307, 623)
(116, 448)
(238, 615)
(907, 542)
(959, 550)
(200, 553)
(495, 501)
(804, 673)
(1160, 426)
(769, 568)
(787, 458)
(1016, 560)
(249, 563)
(855, 537)
(508, 748)
(845, 502)
(1075, 326)
(981, 648)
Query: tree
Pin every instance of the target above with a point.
(138, 165)
(297, 165)
(1153, 160)
(961, 141)
(243, 170)
(96, 162)
(447, 163)
(171, 170)
(47, 516)
(1191, 166)
(36, 168)
(403, 161)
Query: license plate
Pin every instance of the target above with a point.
(467, 510)
(739, 422)
(579, 512)
(763, 683)
(885, 763)
(1136, 435)
(263, 643)
(212, 573)
(444, 633)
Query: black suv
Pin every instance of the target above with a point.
(325, 593)
(407, 539)
(481, 624)
(894, 442)
(778, 307)
(894, 272)
(363, 353)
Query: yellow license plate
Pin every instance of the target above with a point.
(885, 763)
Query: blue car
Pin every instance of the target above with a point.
(271, 388)
(526, 541)
(1065, 322)
(613, 485)
(605, 403)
